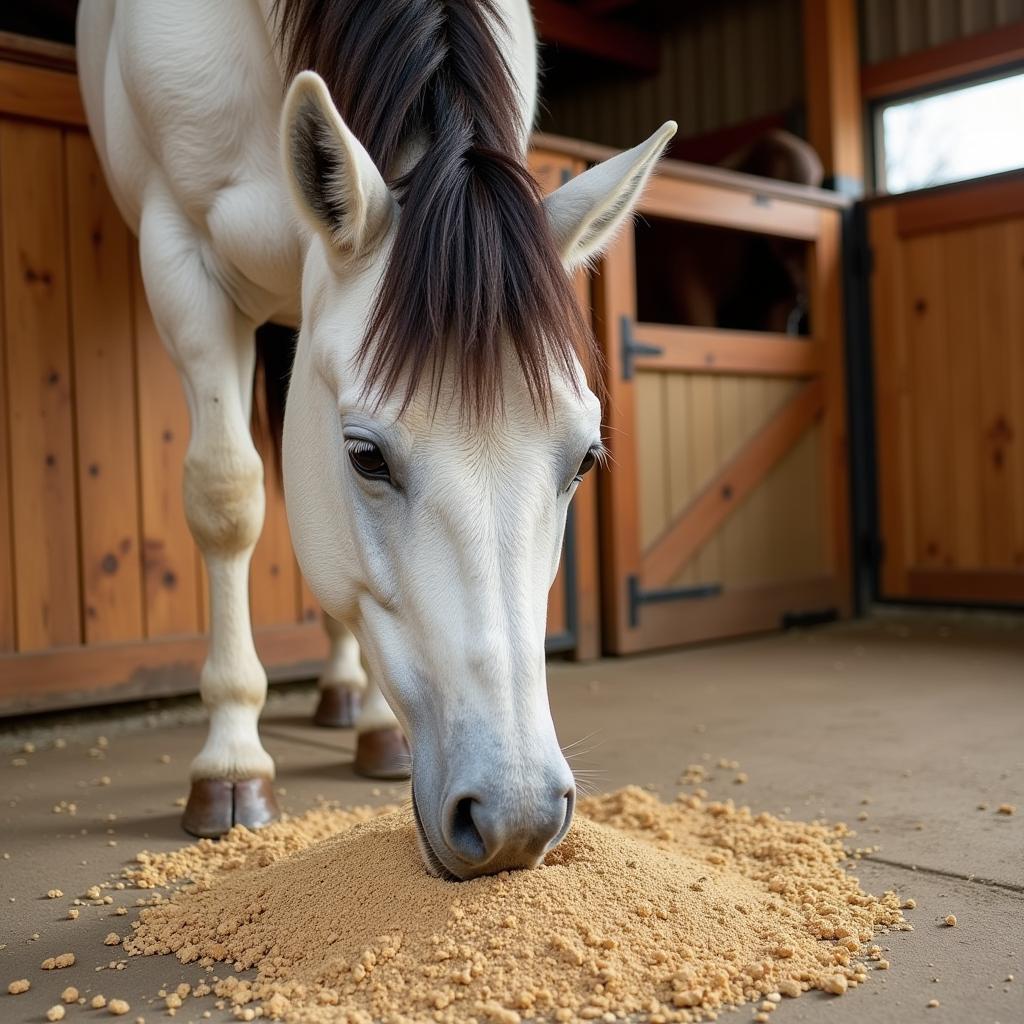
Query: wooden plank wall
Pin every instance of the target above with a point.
(94, 546)
(688, 427)
(948, 325)
(102, 590)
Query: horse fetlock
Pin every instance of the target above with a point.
(233, 749)
(344, 672)
(224, 501)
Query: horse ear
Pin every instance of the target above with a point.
(585, 213)
(336, 185)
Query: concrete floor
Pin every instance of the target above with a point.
(923, 715)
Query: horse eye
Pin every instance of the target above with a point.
(367, 460)
(587, 464)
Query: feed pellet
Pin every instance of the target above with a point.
(668, 912)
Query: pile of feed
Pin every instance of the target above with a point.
(664, 911)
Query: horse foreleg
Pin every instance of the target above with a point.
(382, 751)
(348, 697)
(213, 346)
(343, 680)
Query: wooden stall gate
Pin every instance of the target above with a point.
(726, 508)
(102, 595)
(947, 302)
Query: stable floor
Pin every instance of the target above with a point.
(914, 723)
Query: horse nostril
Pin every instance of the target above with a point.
(463, 835)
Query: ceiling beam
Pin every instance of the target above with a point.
(577, 30)
(605, 6)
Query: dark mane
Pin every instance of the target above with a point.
(474, 260)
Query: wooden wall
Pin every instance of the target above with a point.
(948, 325)
(102, 590)
(95, 553)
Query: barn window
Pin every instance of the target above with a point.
(960, 132)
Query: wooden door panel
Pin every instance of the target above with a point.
(724, 444)
(948, 324)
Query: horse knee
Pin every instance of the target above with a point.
(224, 499)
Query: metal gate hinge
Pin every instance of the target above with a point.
(631, 348)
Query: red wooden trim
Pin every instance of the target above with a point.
(980, 586)
(713, 147)
(959, 58)
(40, 94)
(684, 536)
(618, 42)
(711, 350)
(997, 199)
(105, 673)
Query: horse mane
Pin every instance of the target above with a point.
(474, 260)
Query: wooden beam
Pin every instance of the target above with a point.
(835, 121)
(707, 350)
(976, 586)
(105, 673)
(736, 611)
(750, 210)
(606, 6)
(613, 41)
(684, 536)
(720, 177)
(40, 94)
(41, 52)
(973, 202)
(959, 58)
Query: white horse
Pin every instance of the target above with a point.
(438, 418)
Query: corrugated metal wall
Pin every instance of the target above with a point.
(735, 60)
(893, 28)
(732, 61)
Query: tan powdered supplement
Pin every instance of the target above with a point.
(665, 911)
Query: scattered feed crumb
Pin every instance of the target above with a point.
(112, 939)
(56, 963)
(631, 915)
(98, 1002)
(54, 894)
(16, 988)
(932, 1004)
(909, 904)
(172, 1001)
(118, 1007)
(1006, 809)
(73, 913)
(55, 1012)
(950, 920)
(69, 995)
(93, 892)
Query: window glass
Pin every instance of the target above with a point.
(960, 133)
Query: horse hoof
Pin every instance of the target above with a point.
(337, 708)
(215, 805)
(383, 754)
